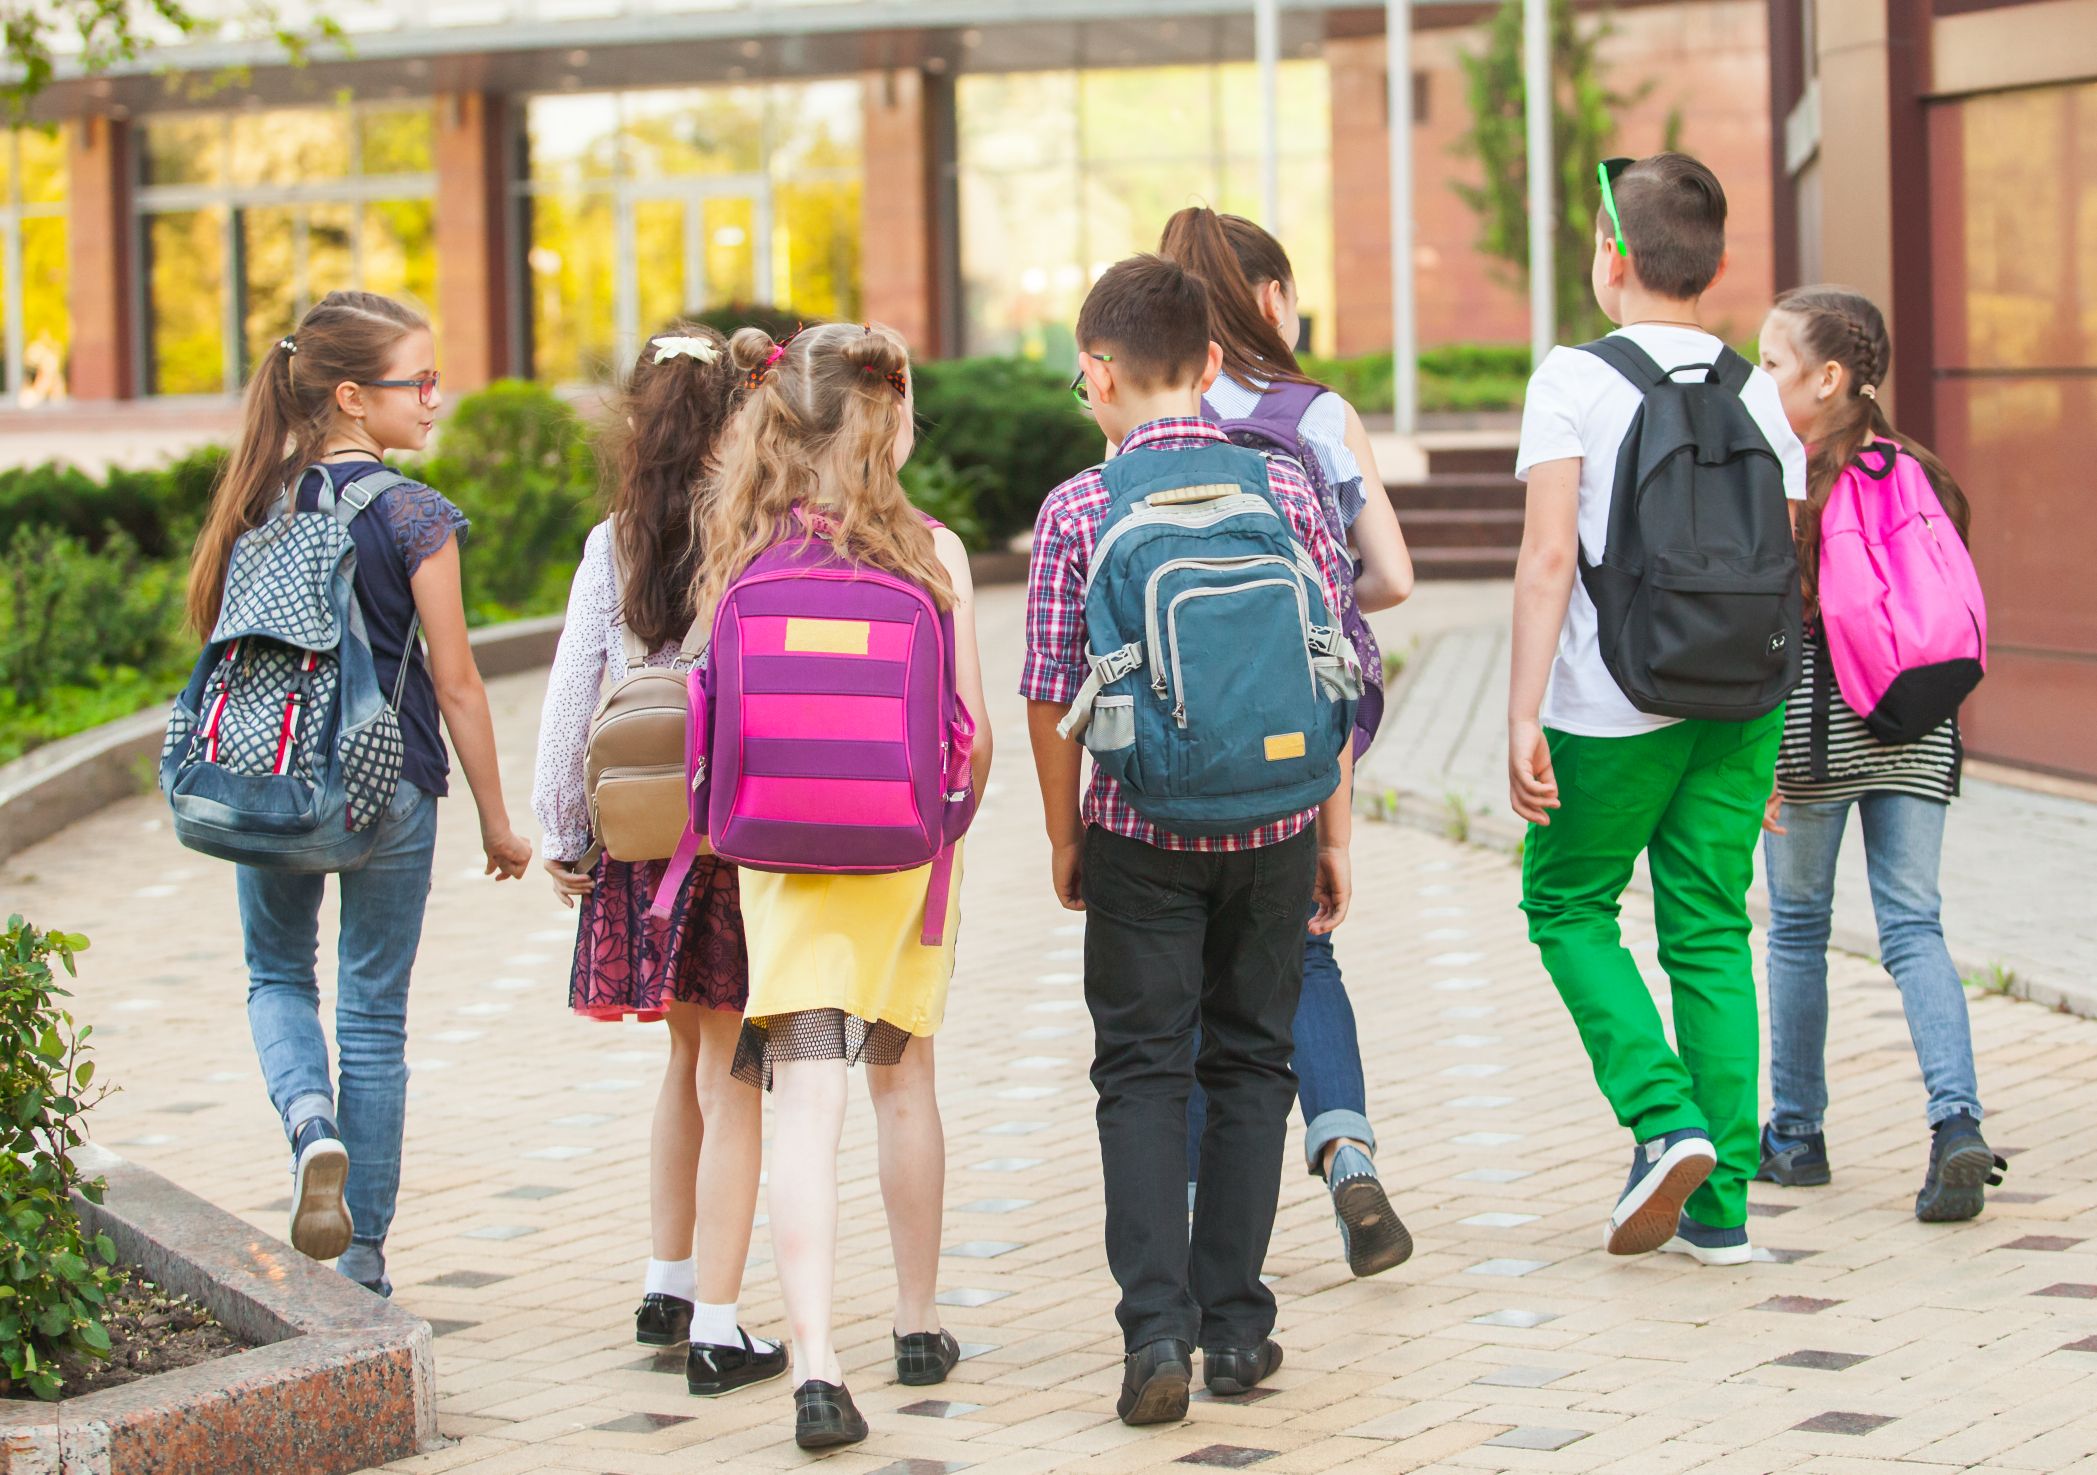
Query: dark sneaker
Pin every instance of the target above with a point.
(1962, 1169)
(1154, 1381)
(1371, 1235)
(1233, 1370)
(1793, 1162)
(320, 1220)
(711, 1369)
(1664, 1173)
(925, 1358)
(825, 1416)
(662, 1321)
(1708, 1246)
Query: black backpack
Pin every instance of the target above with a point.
(1697, 594)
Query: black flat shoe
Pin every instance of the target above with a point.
(1232, 1370)
(925, 1358)
(1794, 1162)
(1154, 1381)
(711, 1369)
(662, 1321)
(1371, 1234)
(1962, 1169)
(824, 1416)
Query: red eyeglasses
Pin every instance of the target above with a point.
(425, 386)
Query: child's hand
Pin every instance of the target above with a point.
(1066, 873)
(1335, 888)
(569, 885)
(508, 853)
(1771, 812)
(1531, 786)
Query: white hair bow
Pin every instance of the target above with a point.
(701, 349)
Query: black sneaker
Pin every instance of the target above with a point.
(1154, 1381)
(925, 1358)
(711, 1369)
(1233, 1370)
(662, 1321)
(1962, 1168)
(1793, 1162)
(825, 1416)
(1371, 1234)
(320, 1219)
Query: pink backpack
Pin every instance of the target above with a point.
(826, 733)
(1907, 628)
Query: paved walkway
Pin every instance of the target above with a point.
(1860, 1342)
(2018, 862)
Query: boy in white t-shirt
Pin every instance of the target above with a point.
(1600, 781)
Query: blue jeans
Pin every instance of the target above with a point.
(1903, 838)
(382, 906)
(1328, 1066)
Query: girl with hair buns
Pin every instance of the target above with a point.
(355, 380)
(1828, 351)
(633, 591)
(838, 973)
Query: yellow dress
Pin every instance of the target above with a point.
(849, 943)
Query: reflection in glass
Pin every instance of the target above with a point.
(572, 140)
(396, 140)
(815, 248)
(44, 168)
(730, 223)
(291, 147)
(186, 251)
(571, 262)
(185, 149)
(716, 131)
(290, 258)
(400, 253)
(47, 321)
(659, 261)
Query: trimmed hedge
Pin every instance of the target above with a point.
(1454, 378)
(1011, 424)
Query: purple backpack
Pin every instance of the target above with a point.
(826, 734)
(1276, 426)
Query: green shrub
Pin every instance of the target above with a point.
(1454, 377)
(70, 615)
(67, 500)
(776, 321)
(54, 1280)
(516, 459)
(1016, 421)
(940, 489)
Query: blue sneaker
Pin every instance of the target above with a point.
(1708, 1246)
(1793, 1162)
(320, 1220)
(1664, 1173)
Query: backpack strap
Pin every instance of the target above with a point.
(1731, 370)
(938, 887)
(1628, 359)
(356, 495)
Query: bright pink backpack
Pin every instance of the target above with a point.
(1906, 626)
(825, 732)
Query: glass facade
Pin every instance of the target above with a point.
(249, 218)
(33, 277)
(1063, 173)
(643, 205)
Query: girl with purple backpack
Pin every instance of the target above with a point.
(1828, 351)
(1264, 398)
(844, 968)
(635, 581)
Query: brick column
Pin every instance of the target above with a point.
(473, 239)
(101, 290)
(1361, 193)
(907, 235)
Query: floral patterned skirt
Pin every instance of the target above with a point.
(629, 966)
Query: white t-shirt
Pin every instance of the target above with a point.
(1578, 405)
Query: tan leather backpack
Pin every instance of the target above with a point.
(633, 762)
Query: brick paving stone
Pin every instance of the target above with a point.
(1843, 1423)
(1983, 1360)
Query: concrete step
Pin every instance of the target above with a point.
(1469, 527)
(1465, 563)
(1469, 492)
(1446, 460)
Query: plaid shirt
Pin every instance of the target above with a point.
(1064, 533)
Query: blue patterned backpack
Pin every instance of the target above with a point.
(282, 751)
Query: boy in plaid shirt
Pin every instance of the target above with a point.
(1185, 936)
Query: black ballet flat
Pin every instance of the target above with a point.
(925, 1358)
(662, 1321)
(824, 1416)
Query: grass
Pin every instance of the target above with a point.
(66, 710)
(1994, 979)
(1456, 815)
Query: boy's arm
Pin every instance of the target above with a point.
(1056, 764)
(1543, 584)
(1055, 669)
(1335, 887)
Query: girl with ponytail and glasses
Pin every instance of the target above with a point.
(1264, 397)
(1828, 351)
(355, 381)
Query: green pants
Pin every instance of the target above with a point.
(1691, 797)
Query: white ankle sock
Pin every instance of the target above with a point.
(679, 1278)
(717, 1325)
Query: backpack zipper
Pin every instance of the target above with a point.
(1150, 600)
(1172, 631)
(1237, 504)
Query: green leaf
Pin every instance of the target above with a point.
(95, 1336)
(50, 1046)
(83, 1073)
(106, 1248)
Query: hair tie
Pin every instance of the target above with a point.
(288, 344)
(671, 346)
(897, 380)
(778, 352)
(1869, 391)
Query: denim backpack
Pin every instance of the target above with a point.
(1222, 688)
(282, 751)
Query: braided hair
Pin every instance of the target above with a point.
(1842, 327)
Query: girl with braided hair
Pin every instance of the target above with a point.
(1828, 351)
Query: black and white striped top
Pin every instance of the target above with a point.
(1857, 763)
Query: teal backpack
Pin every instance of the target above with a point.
(1222, 687)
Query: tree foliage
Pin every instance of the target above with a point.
(94, 35)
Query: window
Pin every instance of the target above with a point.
(33, 278)
(642, 206)
(1064, 173)
(247, 219)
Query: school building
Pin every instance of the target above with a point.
(1941, 155)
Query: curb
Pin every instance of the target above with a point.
(68, 780)
(341, 1380)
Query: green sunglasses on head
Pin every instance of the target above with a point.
(1607, 171)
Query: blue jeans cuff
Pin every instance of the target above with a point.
(1328, 1127)
(303, 1109)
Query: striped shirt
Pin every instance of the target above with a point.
(1064, 532)
(1856, 763)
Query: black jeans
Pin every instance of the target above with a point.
(1179, 943)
